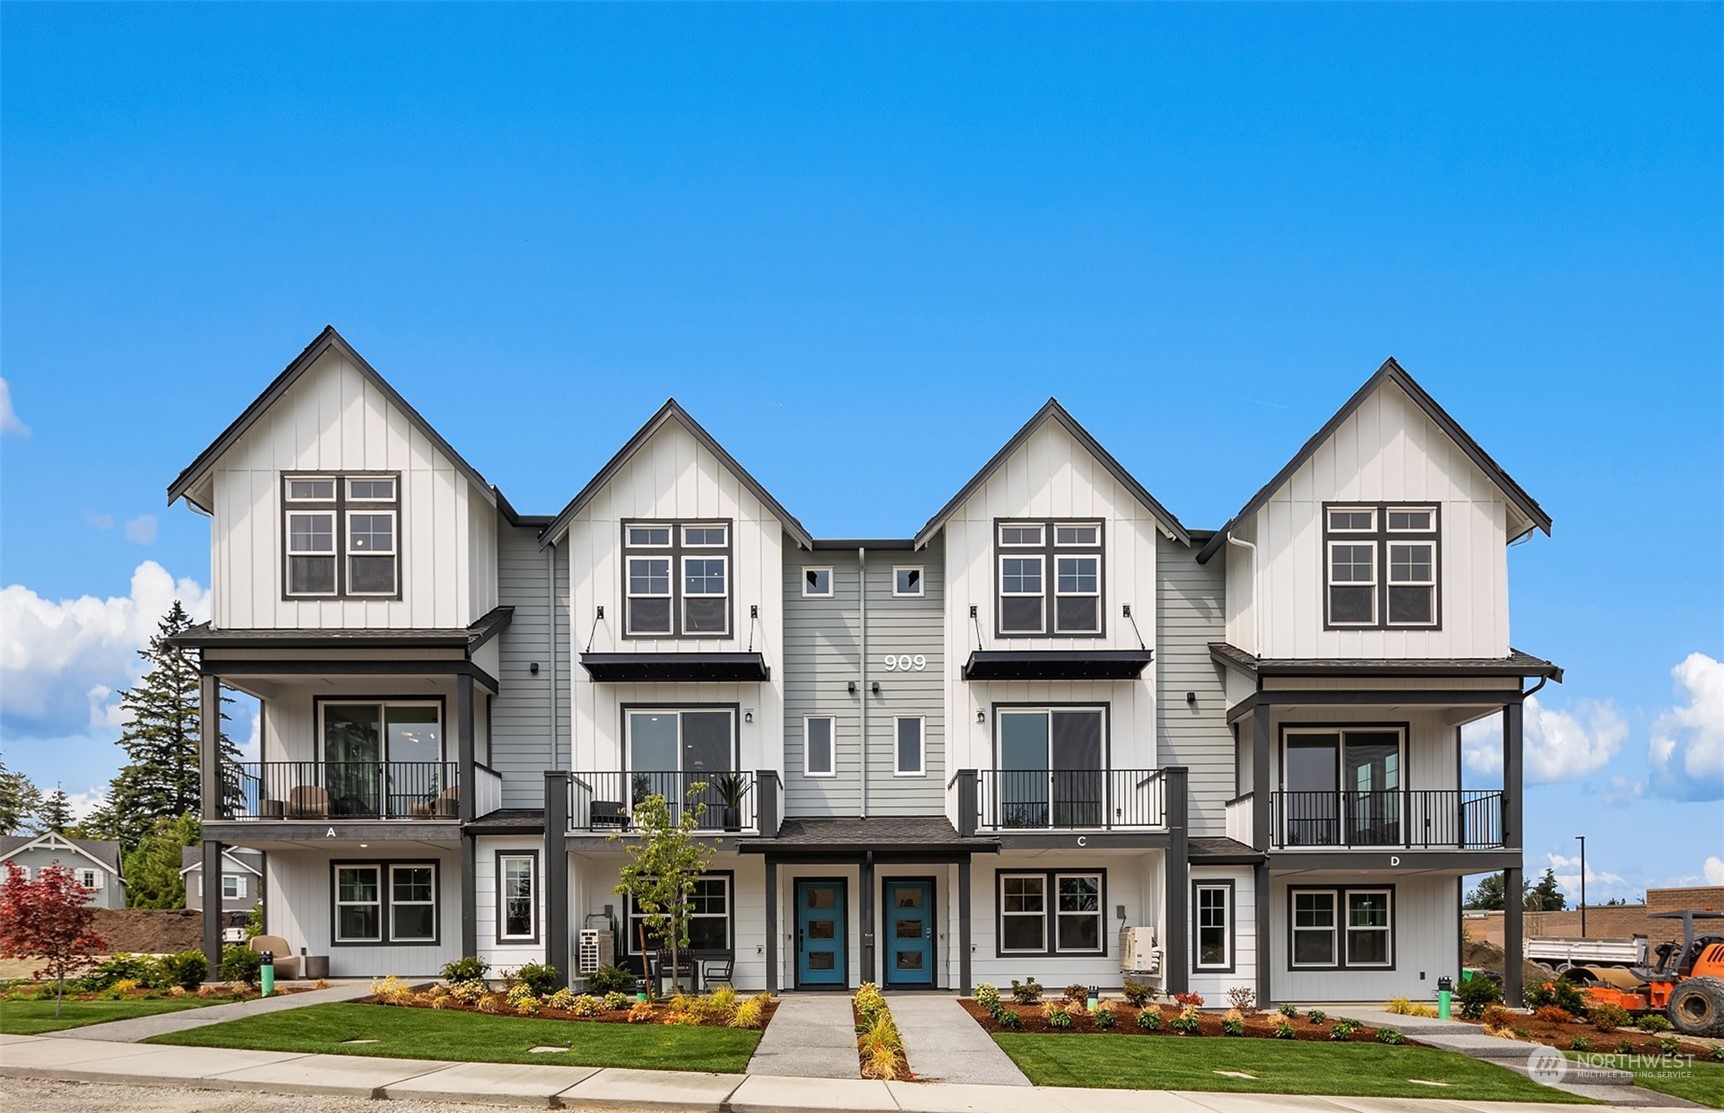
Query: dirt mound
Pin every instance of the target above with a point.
(150, 931)
(1489, 956)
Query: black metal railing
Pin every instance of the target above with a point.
(1464, 819)
(312, 790)
(728, 801)
(1088, 799)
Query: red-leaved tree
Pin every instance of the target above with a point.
(49, 918)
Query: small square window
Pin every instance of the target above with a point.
(906, 581)
(817, 583)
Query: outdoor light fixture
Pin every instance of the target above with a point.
(1191, 697)
(875, 687)
(748, 715)
(533, 668)
(981, 716)
(852, 687)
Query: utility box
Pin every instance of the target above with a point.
(1138, 953)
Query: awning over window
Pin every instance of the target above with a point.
(621, 667)
(1056, 664)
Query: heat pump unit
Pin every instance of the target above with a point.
(1138, 953)
(594, 949)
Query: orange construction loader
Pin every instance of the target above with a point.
(1687, 984)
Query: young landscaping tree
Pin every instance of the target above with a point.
(665, 862)
(19, 800)
(152, 869)
(50, 919)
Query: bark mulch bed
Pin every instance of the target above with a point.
(1561, 1035)
(1260, 1026)
(660, 1012)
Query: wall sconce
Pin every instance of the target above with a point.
(852, 687)
(1191, 697)
(874, 687)
(748, 714)
(599, 612)
(981, 716)
(533, 668)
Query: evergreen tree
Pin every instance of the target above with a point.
(1488, 895)
(19, 800)
(1546, 896)
(55, 814)
(153, 878)
(160, 779)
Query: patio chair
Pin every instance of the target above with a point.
(286, 962)
(307, 802)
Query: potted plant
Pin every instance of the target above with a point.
(730, 789)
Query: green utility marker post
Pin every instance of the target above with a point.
(266, 973)
(1445, 986)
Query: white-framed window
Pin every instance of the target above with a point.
(232, 886)
(676, 579)
(1343, 928)
(1411, 519)
(1352, 519)
(1022, 535)
(518, 896)
(1412, 583)
(1381, 566)
(817, 583)
(1023, 913)
(1051, 912)
(311, 488)
(371, 551)
(648, 536)
(90, 879)
(311, 552)
(1079, 914)
(1081, 534)
(1352, 583)
(359, 904)
(341, 536)
(710, 915)
(907, 581)
(705, 595)
(1077, 594)
(1049, 578)
(1314, 942)
(910, 748)
(706, 536)
(1213, 916)
(818, 748)
(371, 488)
(648, 601)
(1368, 920)
(413, 903)
(1022, 595)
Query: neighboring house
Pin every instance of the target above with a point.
(95, 863)
(972, 754)
(241, 881)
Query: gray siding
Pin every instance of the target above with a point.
(111, 894)
(907, 627)
(822, 653)
(521, 737)
(1193, 734)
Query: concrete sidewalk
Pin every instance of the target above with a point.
(143, 1027)
(553, 1086)
(944, 1045)
(812, 1035)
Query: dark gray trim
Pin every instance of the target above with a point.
(213, 909)
(1087, 840)
(469, 894)
(884, 545)
(1262, 782)
(1232, 925)
(965, 914)
(771, 925)
(1402, 861)
(210, 786)
(1053, 411)
(1056, 664)
(557, 871)
(670, 411)
(1514, 935)
(356, 668)
(482, 630)
(857, 853)
(624, 668)
(339, 508)
(1261, 901)
(886, 981)
(1517, 664)
(1341, 892)
(676, 553)
(1050, 909)
(1049, 553)
(538, 894)
(385, 898)
(1390, 371)
(1176, 867)
(417, 830)
(1368, 697)
(317, 739)
(323, 342)
(735, 710)
(630, 945)
(1380, 539)
(843, 884)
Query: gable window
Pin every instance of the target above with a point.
(910, 753)
(817, 583)
(517, 896)
(1214, 925)
(676, 579)
(906, 581)
(385, 902)
(1050, 578)
(1052, 912)
(817, 749)
(1380, 566)
(342, 536)
(1342, 928)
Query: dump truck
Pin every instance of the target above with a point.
(1687, 985)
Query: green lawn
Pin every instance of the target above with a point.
(1280, 1067)
(476, 1037)
(29, 1018)
(1702, 1082)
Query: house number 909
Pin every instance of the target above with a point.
(904, 662)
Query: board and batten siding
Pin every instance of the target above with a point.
(289, 726)
(522, 735)
(1386, 451)
(1431, 749)
(334, 420)
(1193, 733)
(1426, 946)
(301, 888)
(674, 478)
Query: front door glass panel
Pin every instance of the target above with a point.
(909, 933)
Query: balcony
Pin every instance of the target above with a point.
(346, 790)
(1068, 799)
(1439, 818)
(605, 802)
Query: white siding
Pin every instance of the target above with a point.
(1426, 940)
(1214, 986)
(290, 727)
(301, 885)
(512, 954)
(335, 420)
(1386, 451)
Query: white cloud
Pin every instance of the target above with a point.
(83, 803)
(9, 422)
(1621, 790)
(100, 521)
(61, 662)
(1714, 868)
(1555, 745)
(1598, 882)
(1687, 747)
(142, 529)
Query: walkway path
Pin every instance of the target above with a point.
(143, 1027)
(944, 1045)
(811, 1036)
(207, 1068)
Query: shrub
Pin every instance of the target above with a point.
(1476, 993)
(1150, 1019)
(1580, 1043)
(1186, 1023)
(139, 969)
(392, 991)
(883, 1032)
(1495, 1016)
(1137, 994)
(1077, 993)
(1316, 1016)
(988, 997)
(1291, 1012)
(1669, 1046)
(441, 999)
(1562, 993)
(118, 991)
(1026, 993)
(1057, 1016)
(1009, 1019)
(752, 1012)
(1625, 1047)
(1284, 1029)
(1233, 1024)
(1652, 1022)
(469, 992)
(1552, 1014)
(240, 964)
(1189, 1000)
(488, 1004)
(1243, 999)
(870, 1004)
(177, 991)
(1607, 1017)
(528, 1007)
(642, 1013)
(681, 1003)
(544, 978)
(1400, 1006)
(1521, 1033)
(561, 999)
(611, 979)
(1390, 1036)
(1718, 1052)
(469, 969)
(721, 1003)
(185, 970)
(584, 1005)
(617, 999)
(882, 1062)
(1340, 1032)
(1424, 1010)
(520, 993)
(1102, 1015)
(683, 1019)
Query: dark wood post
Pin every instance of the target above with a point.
(557, 871)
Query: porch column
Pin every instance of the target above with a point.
(771, 925)
(464, 745)
(1261, 785)
(1176, 877)
(556, 868)
(1260, 874)
(209, 748)
(1513, 903)
(469, 893)
(212, 905)
(964, 986)
(865, 913)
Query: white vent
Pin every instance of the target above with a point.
(595, 949)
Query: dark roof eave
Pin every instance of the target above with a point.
(1517, 664)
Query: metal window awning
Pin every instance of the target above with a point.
(623, 667)
(1056, 664)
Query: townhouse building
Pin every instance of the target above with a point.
(1053, 733)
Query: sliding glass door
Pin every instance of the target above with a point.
(1341, 787)
(1051, 767)
(670, 750)
(380, 759)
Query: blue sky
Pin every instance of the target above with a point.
(862, 244)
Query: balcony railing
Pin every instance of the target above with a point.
(315, 790)
(1070, 799)
(1463, 819)
(605, 802)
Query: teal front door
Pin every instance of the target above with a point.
(820, 954)
(909, 933)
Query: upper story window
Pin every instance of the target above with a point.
(1050, 578)
(817, 583)
(676, 579)
(343, 536)
(1380, 565)
(907, 580)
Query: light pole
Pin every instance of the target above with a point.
(1582, 839)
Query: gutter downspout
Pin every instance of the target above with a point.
(551, 613)
(1256, 596)
(862, 683)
